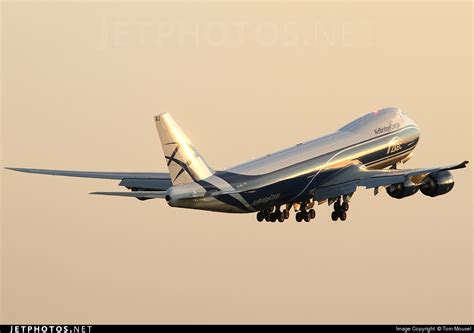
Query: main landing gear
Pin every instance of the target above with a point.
(306, 215)
(305, 211)
(273, 216)
(276, 214)
(340, 210)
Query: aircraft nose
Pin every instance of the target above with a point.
(416, 128)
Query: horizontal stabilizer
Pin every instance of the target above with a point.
(136, 194)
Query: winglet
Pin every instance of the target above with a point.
(459, 166)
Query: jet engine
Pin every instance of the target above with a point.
(438, 183)
(402, 190)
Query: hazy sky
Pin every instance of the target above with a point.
(81, 84)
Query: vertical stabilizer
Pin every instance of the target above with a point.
(184, 162)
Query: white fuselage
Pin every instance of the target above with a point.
(376, 140)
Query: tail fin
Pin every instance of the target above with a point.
(184, 162)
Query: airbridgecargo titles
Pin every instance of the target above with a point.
(387, 128)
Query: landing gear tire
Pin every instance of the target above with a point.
(312, 213)
(260, 216)
(343, 216)
(334, 216)
(306, 217)
(345, 206)
(273, 217)
(281, 217)
(287, 214)
(337, 206)
(299, 218)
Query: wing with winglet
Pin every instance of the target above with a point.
(346, 180)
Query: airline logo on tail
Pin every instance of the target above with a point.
(182, 164)
(183, 161)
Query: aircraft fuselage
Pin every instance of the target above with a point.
(376, 141)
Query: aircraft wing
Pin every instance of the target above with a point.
(151, 181)
(92, 174)
(347, 179)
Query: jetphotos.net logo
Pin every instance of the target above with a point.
(50, 329)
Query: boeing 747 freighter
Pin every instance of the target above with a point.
(364, 153)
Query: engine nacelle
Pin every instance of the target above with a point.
(401, 190)
(438, 183)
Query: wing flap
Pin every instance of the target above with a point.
(136, 194)
(371, 182)
(332, 191)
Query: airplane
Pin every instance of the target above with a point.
(364, 153)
